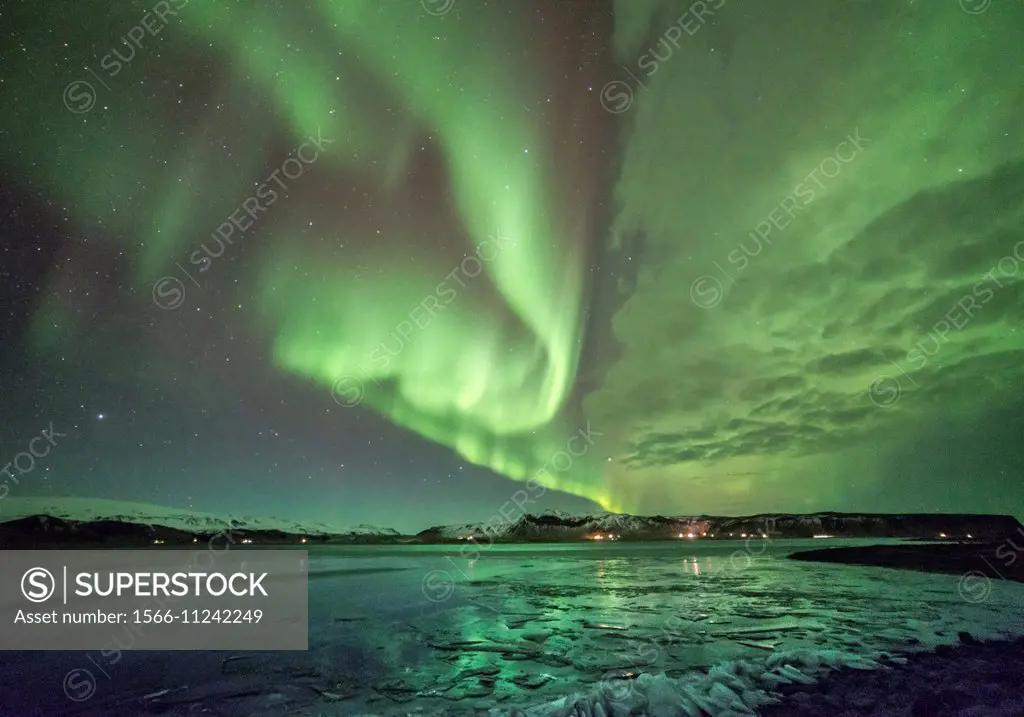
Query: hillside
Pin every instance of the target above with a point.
(558, 526)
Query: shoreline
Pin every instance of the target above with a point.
(979, 560)
(974, 678)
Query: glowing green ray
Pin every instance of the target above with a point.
(491, 374)
(459, 381)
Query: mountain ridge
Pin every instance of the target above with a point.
(565, 526)
(89, 510)
(90, 520)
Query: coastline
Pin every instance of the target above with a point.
(981, 560)
(973, 678)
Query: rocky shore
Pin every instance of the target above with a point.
(972, 679)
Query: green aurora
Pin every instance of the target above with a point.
(489, 370)
(460, 312)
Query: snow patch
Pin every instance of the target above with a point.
(96, 509)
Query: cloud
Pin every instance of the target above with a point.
(902, 266)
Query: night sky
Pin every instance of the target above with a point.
(381, 261)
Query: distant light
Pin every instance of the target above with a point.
(743, 535)
(822, 536)
(158, 542)
(680, 535)
(969, 536)
(195, 540)
(690, 536)
(942, 535)
(303, 540)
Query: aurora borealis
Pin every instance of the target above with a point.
(380, 260)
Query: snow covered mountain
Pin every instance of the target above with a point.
(74, 518)
(92, 510)
(557, 525)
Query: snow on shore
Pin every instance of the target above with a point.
(94, 509)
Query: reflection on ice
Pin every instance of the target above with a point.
(602, 627)
(549, 629)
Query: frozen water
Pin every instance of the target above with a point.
(550, 628)
(671, 628)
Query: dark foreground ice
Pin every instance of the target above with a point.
(675, 628)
